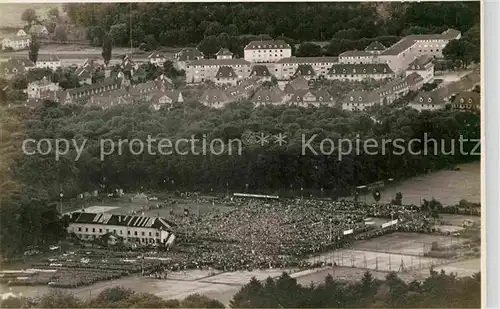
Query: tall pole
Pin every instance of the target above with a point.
(130, 15)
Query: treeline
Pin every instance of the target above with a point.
(269, 168)
(183, 24)
(439, 290)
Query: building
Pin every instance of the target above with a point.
(262, 72)
(360, 100)
(311, 97)
(136, 230)
(48, 62)
(39, 31)
(16, 42)
(401, 54)
(467, 101)
(82, 95)
(268, 96)
(21, 32)
(375, 47)
(224, 53)
(244, 90)
(357, 57)
(166, 99)
(299, 83)
(13, 67)
(267, 51)
(198, 71)
(285, 68)
(305, 70)
(226, 76)
(157, 59)
(40, 89)
(186, 55)
(428, 100)
(214, 98)
(423, 66)
(359, 72)
(129, 65)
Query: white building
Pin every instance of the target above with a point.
(357, 57)
(224, 53)
(198, 71)
(21, 32)
(359, 72)
(157, 59)
(131, 229)
(48, 61)
(267, 51)
(430, 100)
(16, 42)
(424, 67)
(286, 68)
(37, 89)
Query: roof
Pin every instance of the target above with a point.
(413, 79)
(468, 97)
(156, 55)
(260, 70)
(18, 38)
(320, 95)
(398, 47)
(451, 33)
(365, 68)
(375, 46)
(309, 60)
(121, 220)
(361, 97)
(268, 95)
(45, 58)
(356, 53)
(173, 95)
(224, 52)
(19, 64)
(226, 72)
(106, 82)
(305, 70)
(420, 63)
(296, 84)
(267, 44)
(218, 62)
(428, 98)
(188, 54)
(213, 96)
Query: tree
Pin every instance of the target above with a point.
(106, 49)
(59, 299)
(309, 50)
(34, 47)
(398, 200)
(29, 16)
(60, 33)
(53, 13)
(461, 50)
(199, 301)
(376, 195)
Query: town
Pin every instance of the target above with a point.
(293, 198)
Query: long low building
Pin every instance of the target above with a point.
(137, 230)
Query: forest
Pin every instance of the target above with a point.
(232, 25)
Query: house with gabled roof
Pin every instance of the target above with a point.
(360, 100)
(299, 83)
(467, 101)
(262, 72)
(285, 68)
(137, 230)
(46, 61)
(166, 99)
(186, 55)
(198, 71)
(375, 47)
(214, 97)
(157, 58)
(13, 67)
(311, 97)
(224, 53)
(226, 76)
(268, 96)
(305, 70)
(428, 100)
(39, 89)
(16, 42)
(423, 66)
(39, 31)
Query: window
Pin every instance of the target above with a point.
(93, 230)
(79, 229)
(429, 100)
(86, 229)
(321, 98)
(157, 234)
(470, 100)
(135, 233)
(128, 232)
(267, 98)
(351, 98)
(258, 98)
(121, 232)
(149, 233)
(462, 100)
(360, 98)
(421, 100)
(215, 97)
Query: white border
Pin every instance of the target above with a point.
(490, 153)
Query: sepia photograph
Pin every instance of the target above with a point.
(241, 155)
